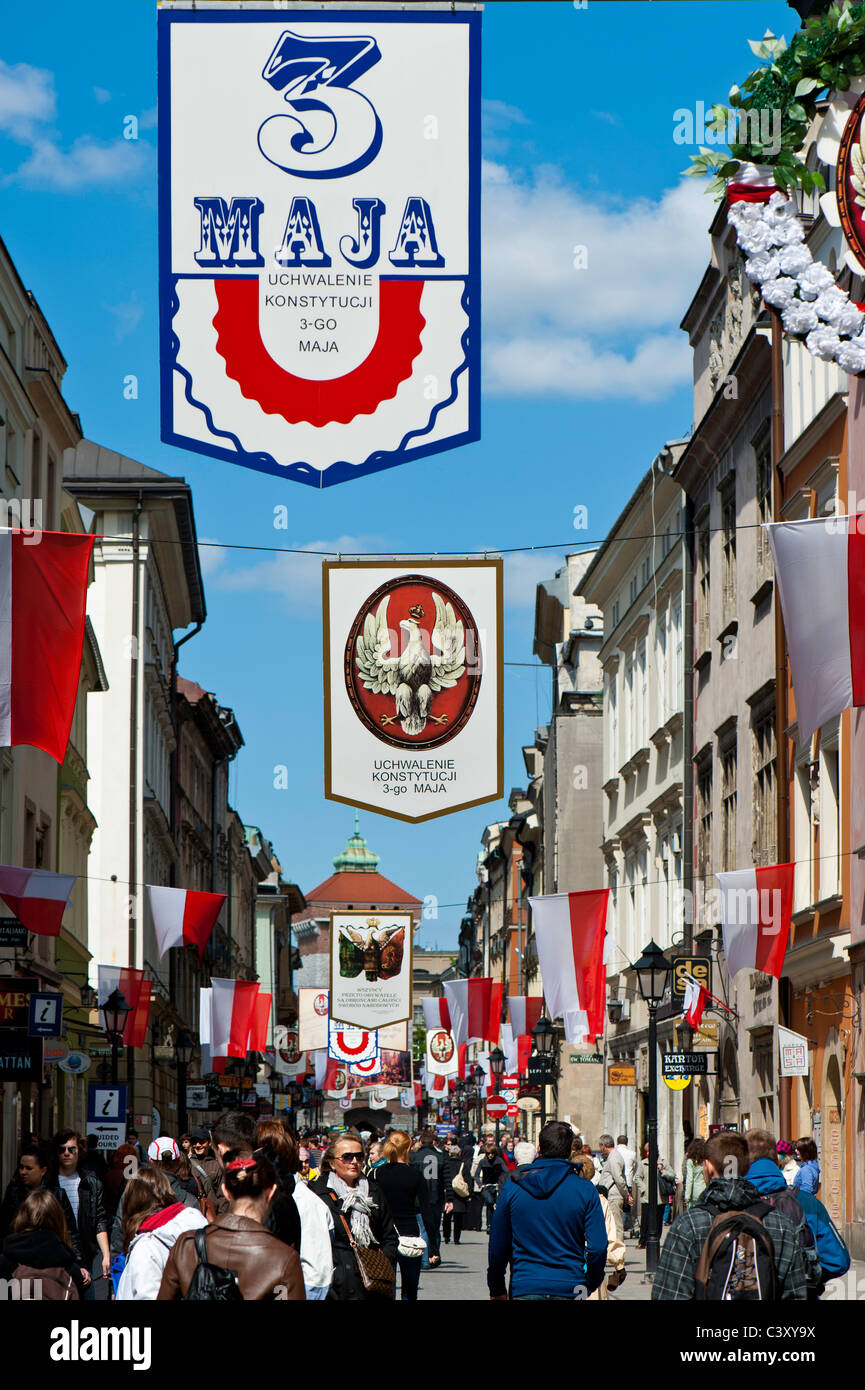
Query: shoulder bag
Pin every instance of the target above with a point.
(373, 1266)
(459, 1184)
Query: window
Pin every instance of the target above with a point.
(677, 691)
(35, 467)
(764, 509)
(645, 573)
(642, 918)
(612, 724)
(728, 806)
(642, 696)
(663, 669)
(803, 843)
(630, 745)
(830, 818)
(703, 584)
(764, 752)
(704, 821)
(633, 589)
(615, 614)
(630, 905)
(612, 908)
(728, 545)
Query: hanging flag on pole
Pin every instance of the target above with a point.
(756, 907)
(233, 1006)
(495, 1021)
(135, 1032)
(43, 594)
(525, 1010)
(694, 1001)
(182, 917)
(441, 1053)
(569, 931)
(259, 1031)
(436, 1013)
(469, 1004)
(130, 983)
(820, 572)
(38, 898)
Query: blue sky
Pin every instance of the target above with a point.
(586, 372)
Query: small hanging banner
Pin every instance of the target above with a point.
(370, 969)
(413, 685)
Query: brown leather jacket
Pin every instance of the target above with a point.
(262, 1263)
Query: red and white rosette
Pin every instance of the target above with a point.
(803, 290)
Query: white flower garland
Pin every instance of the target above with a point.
(803, 290)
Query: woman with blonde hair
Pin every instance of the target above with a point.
(361, 1216)
(404, 1188)
(153, 1218)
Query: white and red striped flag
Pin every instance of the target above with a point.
(131, 984)
(43, 593)
(37, 897)
(694, 1001)
(525, 1009)
(259, 1028)
(182, 917)
(494, 1025)
(335, 1083)
(756, 906)
(820, 572)
(436, 1014)
(232, 1010)
(569, 931)
(469, 1004)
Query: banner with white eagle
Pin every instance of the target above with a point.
(413, 684)
(320, 236)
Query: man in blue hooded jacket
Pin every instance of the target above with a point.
(549, 1227)
(768, 1179)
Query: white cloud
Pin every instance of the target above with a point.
(563, 365)
(102, 95)
(296, 578)
(27, 99)
(210, 555)
(147, 119)
(608, 327)
(127, 314)
(87, 164)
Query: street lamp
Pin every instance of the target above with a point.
(653, 971)
(478, 1075)
(183, 1050)
(497, 1070)
(114, 1014)
(543, 1037)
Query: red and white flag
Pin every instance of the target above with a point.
(524, 1052)
(232, 1010)
(37, 897)
(494, 1026)
(43, 594)
(820, 572)
(335, 1079)
(756, 906)
(525, 1009)
(436, 1014)
(135, 990)
(569, 931)
(135, 1032)
(418, 1093)
(469, 1004)
(694, 1002)
(259, 1028)
(182, 917)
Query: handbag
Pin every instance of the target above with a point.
(373, 1266)
(411, 1247)
(460, 1186)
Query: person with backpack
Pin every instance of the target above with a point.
(235, 1258)
(40, 1248)
(823, 1249)
(732, 1245)
(153, 1218)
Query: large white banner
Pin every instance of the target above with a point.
(319, 237)
(413, 684)
(370, 968)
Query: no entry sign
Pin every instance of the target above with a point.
(497, 1106)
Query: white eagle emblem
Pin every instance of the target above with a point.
(422, 669)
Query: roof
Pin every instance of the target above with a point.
(362, 890)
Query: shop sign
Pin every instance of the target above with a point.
(793, 1049)
(20, 1058)
(15, 1000)
(622, 1076)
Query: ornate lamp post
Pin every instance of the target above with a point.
(497, 1070)
(653, 971)
(114, 1013)
(478, 1075)
(543, 1037)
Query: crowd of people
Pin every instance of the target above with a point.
(247, 1209)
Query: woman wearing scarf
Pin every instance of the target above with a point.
(352, 1201)
(153, 1218)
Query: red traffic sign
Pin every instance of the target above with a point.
(510, 1083)
(513, 1110)
(497, 1106)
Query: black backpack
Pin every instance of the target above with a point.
(737, 1262)
(213, 1283)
